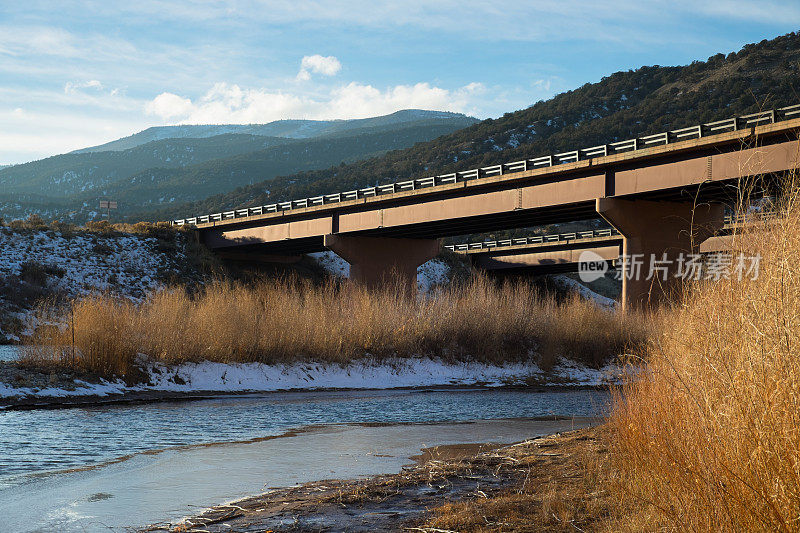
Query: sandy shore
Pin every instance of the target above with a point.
(547, 483)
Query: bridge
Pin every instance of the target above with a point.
(664, 194)
(561, 252)
(548, 254)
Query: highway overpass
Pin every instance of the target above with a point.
(544, 254)
(664, 193)
(561, 252)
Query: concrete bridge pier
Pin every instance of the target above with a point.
(651, 230)
(375, 261)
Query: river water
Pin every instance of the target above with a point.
(117, 468)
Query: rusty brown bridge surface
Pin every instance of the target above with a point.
(663, 193)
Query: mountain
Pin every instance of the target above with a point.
(293, 129)
(191, 168)
(156, 186)
(62, 176)
(644, 101)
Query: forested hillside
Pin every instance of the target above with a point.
(191, 168)
(65, 175)
(158, 186)
(625, 104)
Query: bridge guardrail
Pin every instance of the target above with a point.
(663, 138)
(755, 216)
(534, 239)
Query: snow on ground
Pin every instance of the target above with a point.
(332, 263)
(585, 292)
(76, 264)
(366, 374)
(126, 263)
(434, 272)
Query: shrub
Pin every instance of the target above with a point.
(103, 227)
(35, 222)
(102, 248)
(33, 273)
(64, 228)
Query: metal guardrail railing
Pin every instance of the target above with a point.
(752, 217)
(537, 239)
(664, 138)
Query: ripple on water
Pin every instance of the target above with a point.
(42, 441)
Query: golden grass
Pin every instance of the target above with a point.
(563, 488)
(278, 321)
(707, 437)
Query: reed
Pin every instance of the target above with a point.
(282, 321)
(707, 435)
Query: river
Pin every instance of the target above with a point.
(117, 468)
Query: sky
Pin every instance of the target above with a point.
(76, 74)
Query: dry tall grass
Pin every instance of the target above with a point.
(285, 321)
(708, 436)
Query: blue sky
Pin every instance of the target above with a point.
(74, 74)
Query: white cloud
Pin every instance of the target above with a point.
(42, 41)
(317, 64)
(169, 106)
(764, 11)
(463, 16)
(36, 40)
(617, 21)
(225, 104)
(71, 88)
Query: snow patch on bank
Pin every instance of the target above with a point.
(434, 272)
(429, 275)
(256, 377)
(332, 263)
(585, 292)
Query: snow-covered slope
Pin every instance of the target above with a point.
(36, 264)
(585, 292)
(211, 377)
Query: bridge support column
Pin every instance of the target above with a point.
(650, 230)
(375, 261)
